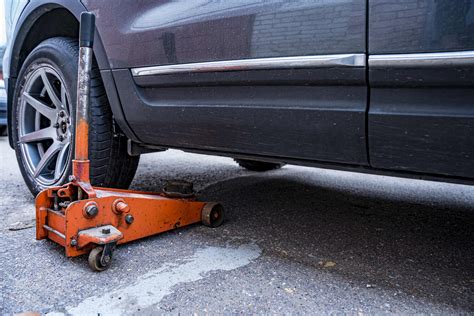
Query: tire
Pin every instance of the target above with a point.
(3, 131)
(53, 64)
(259, 166)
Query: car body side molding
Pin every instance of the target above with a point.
(336, 60)
(422, 59)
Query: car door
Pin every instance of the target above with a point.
(421, 116)
(270, 78)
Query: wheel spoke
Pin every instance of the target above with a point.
(40, 106)
(45, 133)
(63, 98)
(49, 88)
(47, 157)
(60, 162)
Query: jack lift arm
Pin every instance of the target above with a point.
(85, 219)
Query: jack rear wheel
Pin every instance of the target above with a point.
(212, 214)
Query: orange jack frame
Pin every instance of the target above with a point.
(134, 214)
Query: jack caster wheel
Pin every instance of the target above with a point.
(96, 262)
(212, 214)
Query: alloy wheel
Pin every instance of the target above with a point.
(45, 126)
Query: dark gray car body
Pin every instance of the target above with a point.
(405, 104)
(3, 95)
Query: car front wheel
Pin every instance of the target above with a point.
(43, 125)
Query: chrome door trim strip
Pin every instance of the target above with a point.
(315, 61)
(422, 59)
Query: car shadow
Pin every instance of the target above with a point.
(413, 249)
(408, 237)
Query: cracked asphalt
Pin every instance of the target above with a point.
(296, 241)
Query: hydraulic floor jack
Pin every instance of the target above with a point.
(85, 219)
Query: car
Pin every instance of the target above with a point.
(3, 98)
(374, 86)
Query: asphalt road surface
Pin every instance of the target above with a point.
(296, 240)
